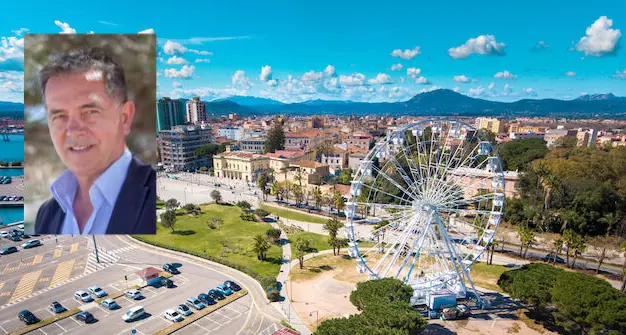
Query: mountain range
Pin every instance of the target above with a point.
(442, 102)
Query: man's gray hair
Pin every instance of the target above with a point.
(87, 60)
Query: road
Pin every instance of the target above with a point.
(33, 278)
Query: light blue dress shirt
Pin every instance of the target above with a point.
(103, 194)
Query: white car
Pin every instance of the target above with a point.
(184, 310)
(133, 314)
(82, 296)
(97, 291)
(20, 227)
(173, 315)
(132, 294)
(4, 234)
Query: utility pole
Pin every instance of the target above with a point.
(95, 246)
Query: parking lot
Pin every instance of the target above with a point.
(191, 282)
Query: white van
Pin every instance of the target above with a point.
(133, 314)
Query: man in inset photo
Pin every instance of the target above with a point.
(106, 189)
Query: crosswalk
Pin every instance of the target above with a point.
(25, 286)
(106, 258)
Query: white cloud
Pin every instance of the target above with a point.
(530, 92)
(272, 82)
(11, 53)
(422, 81)
(65, 27)
(406, 54)
(542, 45)
(505, 75)
(184, 73)
(147, 31)
(311, 76)
(266, 73)
(381, 78)
(456, 89)
(402, 80)
(200, 52)
(397, 67)
(620, 74)
(176, 84)
(355, 79)
(600, 39)
(483, 45)
(203, 60)
(12, 86)
(108, 23)
(240, 81)
(570, 73)
(413, 72)
(476, 91)
(491, 86)
(174, 60)
(20, 32)
(507, 88)
(171, 48)
(91, 32)
(329, 71)
(461, 79)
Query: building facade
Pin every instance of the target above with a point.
(494, 125)
(230, 132)
(359, 140)
(239, 165)
(178, 146)
(196, 111)
(255, 145)
(554, 134)
(305, 140)
(170, 113)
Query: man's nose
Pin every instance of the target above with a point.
(75, 126)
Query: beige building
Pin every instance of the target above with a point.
(280, 160)
(305, 140)
(337, 159)
(494, 125)
(196, 111)
(239, 165)
(358, 139)
(254, 144)
(476, 180)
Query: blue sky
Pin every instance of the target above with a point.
(351, 50)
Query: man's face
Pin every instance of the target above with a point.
(87, 125)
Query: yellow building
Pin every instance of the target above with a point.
(239, 165)
(494, 125)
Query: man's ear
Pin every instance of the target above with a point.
(128, 112)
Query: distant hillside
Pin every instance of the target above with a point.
(444, 102)
(13, 110)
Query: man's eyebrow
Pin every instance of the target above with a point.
(90, 105)
(56, 111)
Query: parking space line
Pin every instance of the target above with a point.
(26, 285)
(208, 331)
(37, 259)
(44, 333)
(149, 289)
(74, 248)
(64, 330)
(62, 272)
(57, 253)
(78, 323)
(104, 310)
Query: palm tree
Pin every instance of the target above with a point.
(580, 245)
(610, 220)
(317, 196)
(569, 238)
(332, 226)
(260, 246)
(302, 246)
(338, 200)
(558, 247)
(548, 181)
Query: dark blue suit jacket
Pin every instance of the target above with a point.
(134, 211)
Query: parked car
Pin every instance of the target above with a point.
(184, 310)
(551, 257)
(132, 294)
(97, 291)
(20, 227)
(167, 282)
(232, 285)
(85, 317)
(195, 303)
(55, 307)
(206, 299)
(15, 238)
(82, 296)
(8, 250)
(133, 314)
(31, 244)
(172, 315)
(217, 295)
(27, 317)
(171, 268)
(3, 233)
(224, 289)
(109, 304)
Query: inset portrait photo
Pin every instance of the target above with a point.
(89, 143)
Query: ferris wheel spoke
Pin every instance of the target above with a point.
(389, 206)
(417, 174)
(395, 183)
(463, 211)
(408, 232)
(377, 190)
(469, 201)
(440, 183)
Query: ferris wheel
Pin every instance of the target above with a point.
(438, 188)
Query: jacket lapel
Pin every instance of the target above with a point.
(130, 201)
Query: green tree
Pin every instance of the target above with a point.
(216, 196)
(275, 139)
(345, 178)
(317, 197)
(172, 204)
(569, 238)
(332, 226)
(208, 151)
(244, 205)
(273, 234)
(261, 212)
(578, 247)
(517, 155)
(557, 248)
(338, 200)
(168, 219)
(381, 291)
(261, 183)
(605, 246)
(532, 284)
(302, 247)
(527, 239)
(260, 246)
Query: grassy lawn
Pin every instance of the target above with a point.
(231, 242)
(317, 242)
(293, 215)
(487, 276)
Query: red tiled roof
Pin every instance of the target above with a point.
(308, 134)
(309, 164)
(147, 272)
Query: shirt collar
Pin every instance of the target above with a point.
(109, 183)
